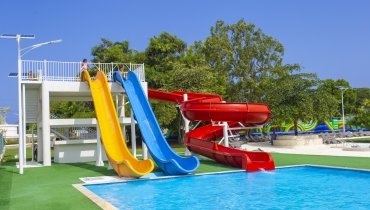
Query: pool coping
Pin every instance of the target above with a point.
(106, 205)
(94, 197)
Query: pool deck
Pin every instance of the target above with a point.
(331, 149)
(94, 198)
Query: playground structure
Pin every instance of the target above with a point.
(74, 140)
(45, 81)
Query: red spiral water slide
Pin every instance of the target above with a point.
(209, 107)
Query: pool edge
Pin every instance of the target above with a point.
(94, 198)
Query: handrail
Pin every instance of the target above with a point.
(75, 133)
(33, 70)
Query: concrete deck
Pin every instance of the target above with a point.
(326, 149)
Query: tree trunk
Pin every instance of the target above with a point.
(295, 128)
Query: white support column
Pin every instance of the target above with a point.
(121, 114)
(20, 111)
(45, 124)
(186, 125)
(145, 151)
(226, 135)
(39, 129)
(24, 124)
(33, 145)
(133, 135)
(99, 148)
(145, 148)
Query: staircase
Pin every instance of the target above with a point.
(32, 96)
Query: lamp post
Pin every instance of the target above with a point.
(21, 117)
(343, 120)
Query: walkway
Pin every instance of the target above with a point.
(326, 149)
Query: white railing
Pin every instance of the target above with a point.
(75, 133)
(70, 71)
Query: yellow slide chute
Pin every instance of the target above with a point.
(110, 130)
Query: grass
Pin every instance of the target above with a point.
(51, 187)
(364, 140)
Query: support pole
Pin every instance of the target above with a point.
(144, 147)
(122, 114)
(186, 126)
(99, 148)
(133, 135)
(45, 125)
(20, 111)
(33, 145)
(343, 120)
(24, 124)
(226, 135)
(39, 129)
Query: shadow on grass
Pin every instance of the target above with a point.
(90, 166)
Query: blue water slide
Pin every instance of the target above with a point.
(161, 152)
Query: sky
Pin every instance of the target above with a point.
(330, 38)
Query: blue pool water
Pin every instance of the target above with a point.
(303, 187)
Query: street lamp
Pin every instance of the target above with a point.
(343, 120)
(21, 119)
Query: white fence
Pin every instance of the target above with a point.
(70, 71)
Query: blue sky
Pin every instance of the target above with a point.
(330, 38)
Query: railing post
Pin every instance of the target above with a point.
(45, 66)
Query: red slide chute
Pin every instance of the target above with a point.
(210, 107)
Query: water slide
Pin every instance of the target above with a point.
(208, 107)
(161, 152)
(330, 126)
(290, 126)
(311, 126)
(111, 135)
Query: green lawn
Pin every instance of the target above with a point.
(364, 140)
(51, 187)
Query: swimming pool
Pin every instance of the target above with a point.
(302, 187)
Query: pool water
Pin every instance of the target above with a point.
(303, 187)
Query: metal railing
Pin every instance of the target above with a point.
(75, 133)
(70, 71)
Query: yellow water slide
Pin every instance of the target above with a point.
(110, 130)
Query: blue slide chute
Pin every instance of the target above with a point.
(161, 152)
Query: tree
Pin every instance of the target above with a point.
(161, 55)
(363, 115)
(163, 51)
(291, 99)
(325, 105)
(331, 87)
(195, 79)
(247, 57)
(72, 109)
(112, 52)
